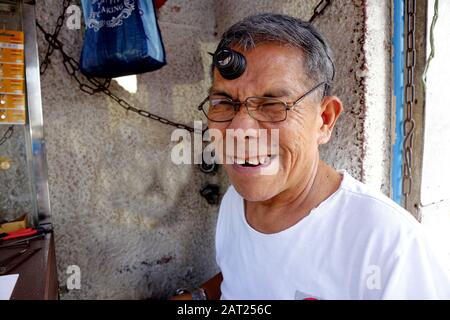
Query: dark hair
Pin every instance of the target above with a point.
(283, 29)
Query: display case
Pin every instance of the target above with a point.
(23, 163)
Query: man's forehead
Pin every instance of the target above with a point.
(275, 91)
(268, 66)
(267, 58)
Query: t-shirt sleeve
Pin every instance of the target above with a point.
(416, 272)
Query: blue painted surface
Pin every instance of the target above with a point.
(398, 62)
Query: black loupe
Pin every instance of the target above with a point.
(231, 64)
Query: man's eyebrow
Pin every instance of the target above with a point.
(277, 93)
(214, 92)
(271, 93)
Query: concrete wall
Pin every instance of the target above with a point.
(134, 222)
(378, 115)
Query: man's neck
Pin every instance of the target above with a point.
(292, 205)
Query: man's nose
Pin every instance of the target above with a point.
(243, 120)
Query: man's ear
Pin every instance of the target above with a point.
(330, 110)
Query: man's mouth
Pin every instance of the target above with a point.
(254, 162)
(250, 162)
(252, 165)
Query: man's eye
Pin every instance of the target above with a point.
(272, 105)
(221, 103)
(218, 106)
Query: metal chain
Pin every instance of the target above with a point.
(95, 85)
(8, 134)
(409, 124)
(59, 24)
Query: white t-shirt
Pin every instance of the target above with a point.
(357, 244)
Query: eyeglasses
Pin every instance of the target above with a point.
(219, 109)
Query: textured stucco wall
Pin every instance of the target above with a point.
(130, 219)
(377, 70)
(134, 222)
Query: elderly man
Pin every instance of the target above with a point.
(305, 230)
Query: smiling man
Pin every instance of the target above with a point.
(303, 230)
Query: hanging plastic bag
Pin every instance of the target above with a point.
(122, 37)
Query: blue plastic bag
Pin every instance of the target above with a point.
(122, 37)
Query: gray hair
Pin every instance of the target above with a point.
(285, 30)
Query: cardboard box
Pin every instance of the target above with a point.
(9, 101)
(11, 46)
(12, 116)
(12, 71)
(12, 86)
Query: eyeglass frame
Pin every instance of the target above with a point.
(237, 104)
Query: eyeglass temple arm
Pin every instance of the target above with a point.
(307, 93)
(200, 106)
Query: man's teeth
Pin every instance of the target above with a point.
(264, 160)
(253, 161)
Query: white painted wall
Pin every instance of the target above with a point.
(435, 189)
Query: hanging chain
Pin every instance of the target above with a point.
(319, 9)
(8, 133)
(409, 124)
(59, 25)
(94, 85)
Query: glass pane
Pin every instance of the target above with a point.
(17, 195)
(220, 109)
(265, 109)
